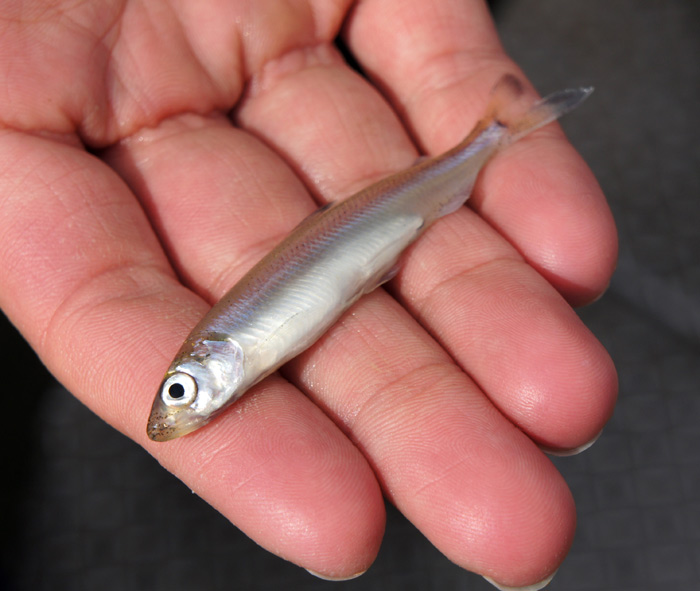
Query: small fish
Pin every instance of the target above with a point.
(339, 253)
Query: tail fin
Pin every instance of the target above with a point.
(504, 102)
(506, 120)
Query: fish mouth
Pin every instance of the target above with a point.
(161, 429)
(166, 424)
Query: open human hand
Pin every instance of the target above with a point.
(152, 152)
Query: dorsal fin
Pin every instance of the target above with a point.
(312, 216)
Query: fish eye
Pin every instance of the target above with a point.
(180, 389)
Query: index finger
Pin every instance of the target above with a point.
(436, 63)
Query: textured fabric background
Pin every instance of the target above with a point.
(85, 509)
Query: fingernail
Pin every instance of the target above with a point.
(601, 294)
(563, 453)
(535, 587)
(329, 578)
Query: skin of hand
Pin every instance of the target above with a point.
(152, 151)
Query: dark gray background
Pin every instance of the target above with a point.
(85, 509)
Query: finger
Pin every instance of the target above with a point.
(87, 283)
(512, 332)
(158, 172)
(437, 62)
(198, 177)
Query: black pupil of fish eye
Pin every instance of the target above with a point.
(176, 391)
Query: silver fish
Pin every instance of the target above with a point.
(342, 251)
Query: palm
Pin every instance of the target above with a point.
(415, 395)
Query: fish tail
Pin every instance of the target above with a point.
(503, 108)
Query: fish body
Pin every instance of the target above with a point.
(341, 252)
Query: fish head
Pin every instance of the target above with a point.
(204, 378)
